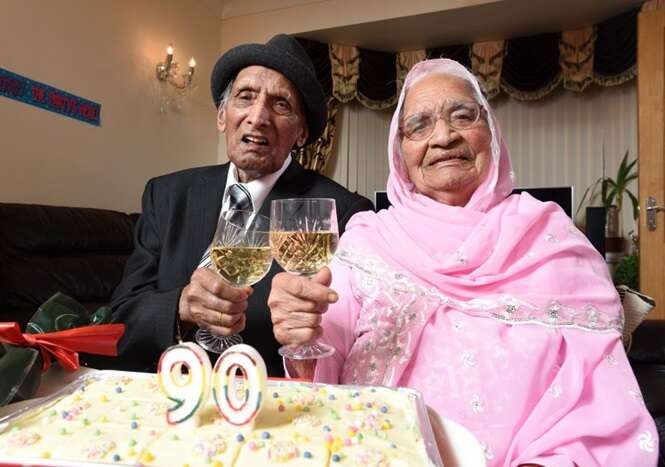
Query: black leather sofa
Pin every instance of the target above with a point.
(82, 252)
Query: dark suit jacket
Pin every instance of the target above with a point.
(179, 217)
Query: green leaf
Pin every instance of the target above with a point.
(609, 192)
(636, 204)
(630, 178)
(631, 165)
(623, 170)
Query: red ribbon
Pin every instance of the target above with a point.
(64, 346)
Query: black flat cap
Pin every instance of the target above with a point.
(284, 54)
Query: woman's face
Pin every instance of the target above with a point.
(449, 164)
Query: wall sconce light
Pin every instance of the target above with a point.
(168, 72)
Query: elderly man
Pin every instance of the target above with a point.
(269, 102)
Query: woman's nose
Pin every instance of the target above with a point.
(443, 134)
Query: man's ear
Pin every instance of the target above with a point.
(302, 137)
(221, 120)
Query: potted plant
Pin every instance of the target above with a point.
(612, 192)
(627, 271)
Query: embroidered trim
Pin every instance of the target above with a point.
(532, 95)
(506, 309)
(616, 80)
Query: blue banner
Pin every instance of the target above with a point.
(47, 97)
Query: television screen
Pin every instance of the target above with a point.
(381, 200)
(562, 195)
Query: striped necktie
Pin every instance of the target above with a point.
(239, 198)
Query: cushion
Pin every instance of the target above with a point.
(636, 307)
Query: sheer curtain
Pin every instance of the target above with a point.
(359, 160)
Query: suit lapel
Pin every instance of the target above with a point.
(205, 202)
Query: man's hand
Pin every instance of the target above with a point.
(297, 305)
(212, 304)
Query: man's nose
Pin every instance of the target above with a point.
(259, 113)
(443, 134)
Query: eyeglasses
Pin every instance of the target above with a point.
(459, 115)
(279, 105)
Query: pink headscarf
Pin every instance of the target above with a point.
(497, 245)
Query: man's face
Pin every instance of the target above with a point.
(263, 121)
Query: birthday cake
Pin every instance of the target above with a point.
(120, 418)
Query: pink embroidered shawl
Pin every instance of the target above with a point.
(500, 312)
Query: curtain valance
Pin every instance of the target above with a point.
(525, 68)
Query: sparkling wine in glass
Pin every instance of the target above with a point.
(303, 238)
(240, 253)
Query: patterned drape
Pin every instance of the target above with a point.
(377, 83)
(405, 61)
(531, 67)
(345, 61)
(486, 64)
(315, 156)
(576, 58)
(525, 68)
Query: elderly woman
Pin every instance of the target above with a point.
(495, 307)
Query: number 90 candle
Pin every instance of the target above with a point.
(190, 391)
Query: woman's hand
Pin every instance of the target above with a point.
(210, 303)
(297, 305)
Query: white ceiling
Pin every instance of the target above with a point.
(498, 20)
(232, 8)
(488, 21)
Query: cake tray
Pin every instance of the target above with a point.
(30, 408)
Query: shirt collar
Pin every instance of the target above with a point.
(258, 189)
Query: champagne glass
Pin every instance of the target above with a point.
(303, 238)
(240, 253)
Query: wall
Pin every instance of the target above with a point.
(105, 52)
(555, 141)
